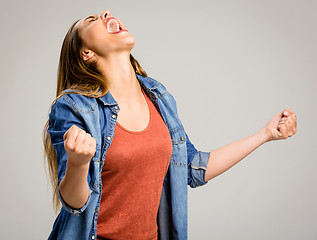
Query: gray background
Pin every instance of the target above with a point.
(231, 65)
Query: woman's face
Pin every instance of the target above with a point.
(104, 34)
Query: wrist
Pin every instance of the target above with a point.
(75, 164)
(263, 135)
(76, 172)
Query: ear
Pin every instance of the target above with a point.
(87, 54)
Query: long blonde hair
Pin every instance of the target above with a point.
(84, 79)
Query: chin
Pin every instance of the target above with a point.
(130, 41)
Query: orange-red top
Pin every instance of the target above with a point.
(132, 177)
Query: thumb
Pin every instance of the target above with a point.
(65, 135)
(285, 112)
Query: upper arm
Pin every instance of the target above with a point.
(197, 164)
(196, 160)
(62, 116)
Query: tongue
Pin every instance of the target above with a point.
(112, 26)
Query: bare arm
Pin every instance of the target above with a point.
(280, 126)
(226, 157)
(80, 148)
(74, 186)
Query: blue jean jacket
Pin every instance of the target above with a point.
(98, 116)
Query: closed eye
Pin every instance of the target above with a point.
(93, 19)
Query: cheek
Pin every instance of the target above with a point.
(94, 37)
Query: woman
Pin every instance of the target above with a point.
(118, 155)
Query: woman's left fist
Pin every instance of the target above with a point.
(282, 126)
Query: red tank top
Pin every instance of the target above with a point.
(132, 178)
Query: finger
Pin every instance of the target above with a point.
(69, 130)
(281, 126)
(92, 145)
(288, 127)
(291, 132)
(80, 139)
(86, 142)
(291, 123)
(283, 130)
(93, 142)
(283, 120)
(286, 112)
(70, 137)
(293, 116)
(293, 126)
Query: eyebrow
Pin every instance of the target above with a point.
(89, 17)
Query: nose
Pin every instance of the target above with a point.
(105, 14)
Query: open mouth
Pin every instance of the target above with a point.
(113, 26)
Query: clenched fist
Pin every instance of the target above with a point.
(281, 126)
(79, 145)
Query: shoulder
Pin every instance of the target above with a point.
(75, 102)
(154, 85)
(154, 82)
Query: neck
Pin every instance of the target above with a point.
(120, 76)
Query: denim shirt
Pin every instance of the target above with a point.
(98, 117)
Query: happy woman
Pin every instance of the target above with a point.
(118, 155)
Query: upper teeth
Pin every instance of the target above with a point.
(117, 25)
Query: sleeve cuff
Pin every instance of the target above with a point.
(198, 168)
(75, 211)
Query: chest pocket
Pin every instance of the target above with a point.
(179, 154)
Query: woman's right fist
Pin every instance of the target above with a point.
(79, 145)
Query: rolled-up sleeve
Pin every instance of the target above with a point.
(62, 116)
(75, 211)
(197, 164)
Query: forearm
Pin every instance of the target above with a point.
(74, 186)
(226, 157)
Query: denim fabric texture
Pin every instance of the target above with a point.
(98, 117)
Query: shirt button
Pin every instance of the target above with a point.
(96, 210)
(182, 138)
(113, 116)
(93, 237)
(115, 107)
(108, 137)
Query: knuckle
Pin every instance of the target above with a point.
(85, 152)
(92, 151)
(67, 143)
(78, 149)
(70, 146)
